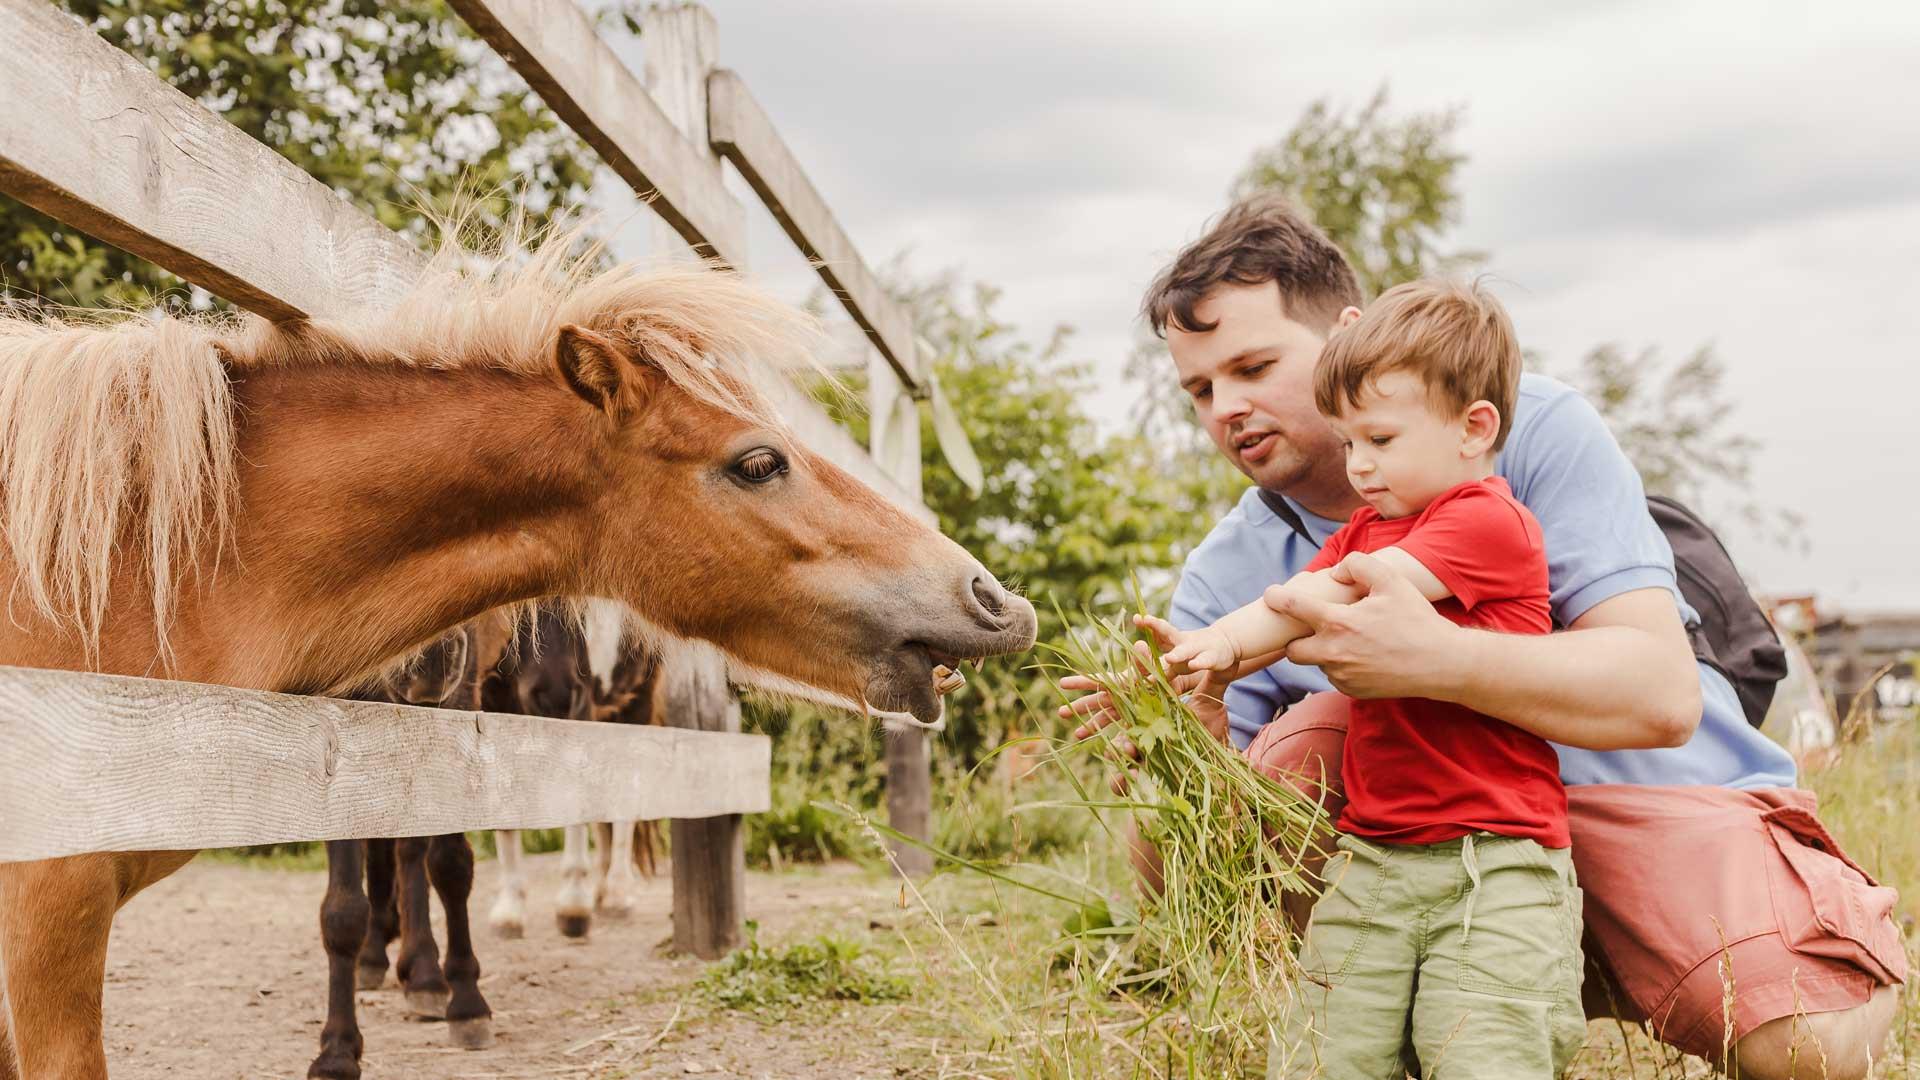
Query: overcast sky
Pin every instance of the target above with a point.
(1646, 173)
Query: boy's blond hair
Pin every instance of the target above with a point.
(1453, 336)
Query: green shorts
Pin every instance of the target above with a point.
(1457, 959)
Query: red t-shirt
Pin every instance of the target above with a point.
(1418, 771)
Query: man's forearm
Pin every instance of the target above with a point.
(1603, 688)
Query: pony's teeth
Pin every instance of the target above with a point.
(946, 680)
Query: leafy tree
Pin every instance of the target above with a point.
(396, 106)
(1385, 188)
(1672, 420)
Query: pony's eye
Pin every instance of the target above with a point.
(760, 465)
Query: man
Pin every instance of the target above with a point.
(1691, 846)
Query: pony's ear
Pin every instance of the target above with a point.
(591, 364)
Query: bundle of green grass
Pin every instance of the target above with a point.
(1211, 949)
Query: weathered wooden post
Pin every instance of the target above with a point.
(681, 43)
(894, 440)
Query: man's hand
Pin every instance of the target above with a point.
(1390, 643)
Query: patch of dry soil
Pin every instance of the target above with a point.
(218, 973)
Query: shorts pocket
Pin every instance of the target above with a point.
(1343, 917)
(1525, 938)
(1826, 905)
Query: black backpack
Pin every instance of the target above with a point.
(1734, 637)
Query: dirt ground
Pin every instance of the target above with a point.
(218, 972)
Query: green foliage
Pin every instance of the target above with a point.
(1669, 420)
(1067, 513)
(817, 756)
(396, 106)
(986, 817)
(305, 855)
(1385, 188)
(777, 981)
(823, 761)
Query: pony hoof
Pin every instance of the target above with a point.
(615, 910)
(574, 926)
(474, 1034)
(512, 931)
(334, 1066)
(428, 1004)
(369, 978)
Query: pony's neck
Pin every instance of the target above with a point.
(379, 506)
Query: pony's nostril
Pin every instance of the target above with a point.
(987, 593)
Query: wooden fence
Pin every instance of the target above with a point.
(93, 763)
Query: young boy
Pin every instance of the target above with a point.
(1450, 929)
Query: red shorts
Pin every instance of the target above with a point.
(1700, 901)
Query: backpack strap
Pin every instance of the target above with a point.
(1285, 512)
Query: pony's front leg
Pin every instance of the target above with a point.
(383, 924)
(509, 915)
(343, 926)
(450, 868)
(622, 882)
(575, 903)
(418, 964)
(55, 918)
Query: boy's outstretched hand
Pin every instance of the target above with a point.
(1206, 649)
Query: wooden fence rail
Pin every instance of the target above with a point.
(111, 763)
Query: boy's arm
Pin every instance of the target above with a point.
(1256, 636)
(1241, 639)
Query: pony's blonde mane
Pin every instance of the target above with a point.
(117, 434)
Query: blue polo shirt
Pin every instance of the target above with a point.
(1563, 463)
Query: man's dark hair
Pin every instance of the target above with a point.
(1262, 238)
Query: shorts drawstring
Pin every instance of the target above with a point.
(1472, 864)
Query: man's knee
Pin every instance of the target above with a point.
(1838, 1045)
(1303, 747)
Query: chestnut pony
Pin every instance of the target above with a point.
(267, 505)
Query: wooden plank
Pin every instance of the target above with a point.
(91, 137)
(910, 799)
(555, 48)
(896, 447)
(741, 130)
(111, 763)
